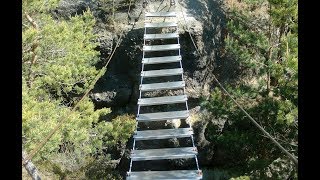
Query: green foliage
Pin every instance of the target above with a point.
(262, 38)
(122, 129)
(287, 74)
(248, 46)
(218, 103)
(241, 178)
(106, 6)
(40, 116)
(287, 112)
(243, 146)
(58, 66)
(65, 55)
(36, 6)
(284, 13)
(64, 66)
(109, 7)
(102, 168)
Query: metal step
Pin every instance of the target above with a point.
(163, 134)
(168, 175)
(166, 47)
(160, 25)
(161, 36)
(162, 100)
(164, 153)
(162, 86)
(163, 116)
(164, 72)
(160, 14)
(163, 59)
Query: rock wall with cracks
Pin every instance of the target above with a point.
(119, 85)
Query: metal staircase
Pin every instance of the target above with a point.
(151, 102)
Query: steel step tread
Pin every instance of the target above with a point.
(159, 116)
(160, 25)
(162, 86)
(161, 36)
(163, 153)
(162, 72)
(165, 47)
(163, 134)
(160, 14)
(168, 175)
(162, 100)
(163, 59)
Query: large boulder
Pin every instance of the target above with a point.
(105, 43)
(114, 90)
(69, 8)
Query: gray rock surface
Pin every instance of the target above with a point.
(69, 8)
(114, 90)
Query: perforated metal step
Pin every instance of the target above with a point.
(163, 116)
(162, 100)
(162, 86)
(168, 175)
(163, 134)
(164, 153)
(161, 36)
(166, 47)
(163, 72)
(160, 25)
(160, 14)
(160, 60)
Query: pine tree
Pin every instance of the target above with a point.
(58, 65)
(262, 39)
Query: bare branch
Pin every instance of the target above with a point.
(34, 24)
(33, 48)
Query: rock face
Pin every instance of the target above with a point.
(69, 8)
(205, 23)
(105, 40)
(119, 86)
(124, 68)
(114, 90)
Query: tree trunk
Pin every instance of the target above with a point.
(282, 28)
(33, 50)
(268, 69)
(32, 170)
(270, 53)
(287, 51)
